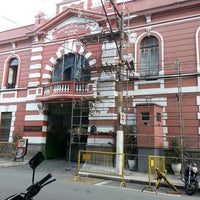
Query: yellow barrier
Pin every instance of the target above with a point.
(6, 148)
(101, 163)
(157, 172)
(155, 162)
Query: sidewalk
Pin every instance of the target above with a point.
(56, 165)
(7, 162)
(130, 176)
(143, 177)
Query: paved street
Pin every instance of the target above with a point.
(61, 166)
(17, 178)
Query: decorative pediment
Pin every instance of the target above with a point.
(70, 22)
(73, 26)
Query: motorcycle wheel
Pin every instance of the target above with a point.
(192, 188)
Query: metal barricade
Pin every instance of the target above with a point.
(101, 163)
(7, 148)
(157, 172)
(154, 162)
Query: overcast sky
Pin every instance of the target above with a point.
(15, 13)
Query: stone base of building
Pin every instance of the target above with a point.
(143, 154)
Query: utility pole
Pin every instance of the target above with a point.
(120, 132)
(120, 69)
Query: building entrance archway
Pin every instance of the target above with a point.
(58, 138)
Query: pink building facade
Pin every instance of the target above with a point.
(67, 66)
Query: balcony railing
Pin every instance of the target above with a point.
(68, 87)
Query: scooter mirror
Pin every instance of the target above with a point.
(36, 160)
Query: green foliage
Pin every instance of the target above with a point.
(16, 136)
(130, 141)
(130, 129)
(175, 149)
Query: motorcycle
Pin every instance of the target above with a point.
(190, 178)
(34, 188)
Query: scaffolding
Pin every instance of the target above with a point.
(82, 107)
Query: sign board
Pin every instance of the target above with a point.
(21, 148)
(122, 118)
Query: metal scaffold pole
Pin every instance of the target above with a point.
(180, 105)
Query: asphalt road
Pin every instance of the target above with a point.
(18, 178)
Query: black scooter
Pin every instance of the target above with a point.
(34, 189)
(190, 178)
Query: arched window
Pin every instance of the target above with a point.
(12, 73)
(69, 68)
(149, 57)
